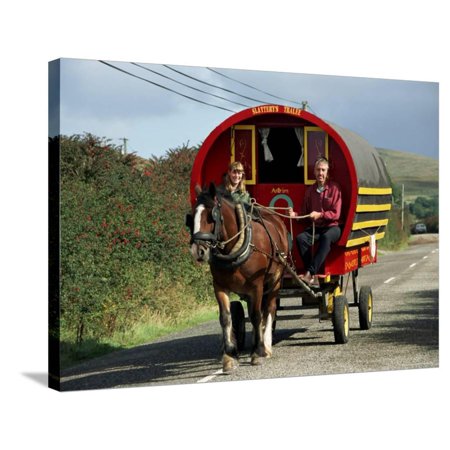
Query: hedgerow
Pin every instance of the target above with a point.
(123, 244)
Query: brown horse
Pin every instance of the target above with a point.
(252, 270)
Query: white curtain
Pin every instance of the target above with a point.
(300, 136)
(264, 132)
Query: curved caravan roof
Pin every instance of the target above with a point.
(369, 166)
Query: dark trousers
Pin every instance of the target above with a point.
(326, 236)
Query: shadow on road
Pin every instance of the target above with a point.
(144, 364)
(414, 323)
(183, 360)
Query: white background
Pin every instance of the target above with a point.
(390, 39)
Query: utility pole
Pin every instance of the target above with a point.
(403, 206)
(124, 151)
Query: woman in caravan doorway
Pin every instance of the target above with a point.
(233, 186)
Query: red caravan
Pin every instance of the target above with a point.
(278, 146)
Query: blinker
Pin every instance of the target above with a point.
(189, 221)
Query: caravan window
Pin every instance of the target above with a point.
(279, 152)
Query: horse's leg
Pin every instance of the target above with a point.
(270, 310)
(230, 353)
(256, 319)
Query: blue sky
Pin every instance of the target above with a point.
(97, 98)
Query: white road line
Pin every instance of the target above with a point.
(389, 280)
(210, 377)
(425, 257)
(412, 265)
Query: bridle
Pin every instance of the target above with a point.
(211, 239)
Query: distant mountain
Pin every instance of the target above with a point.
(419, 174)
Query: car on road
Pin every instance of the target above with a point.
(420, 228)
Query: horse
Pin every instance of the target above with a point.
(250, 269)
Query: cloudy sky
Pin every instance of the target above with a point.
(157, 107)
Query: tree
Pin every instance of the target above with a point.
(423, 207)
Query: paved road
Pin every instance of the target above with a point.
(404, 335)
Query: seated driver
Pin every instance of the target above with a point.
(322, 205)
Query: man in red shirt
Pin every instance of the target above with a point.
(322, 204)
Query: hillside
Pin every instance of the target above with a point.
(419, 174)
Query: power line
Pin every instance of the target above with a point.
(187, 85)
(163, 87)
(214, 85)
(252, 87)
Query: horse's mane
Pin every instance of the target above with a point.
(205, 198)
(208, 198)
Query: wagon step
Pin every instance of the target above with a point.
(299, 281)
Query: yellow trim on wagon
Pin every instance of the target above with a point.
(362, 240)
(369, 224)
(251, 128)
(374, 191)
(373, 208)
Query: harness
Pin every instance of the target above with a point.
(244, 246)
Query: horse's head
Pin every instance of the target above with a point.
(204, 223)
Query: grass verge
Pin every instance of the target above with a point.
(149, 329)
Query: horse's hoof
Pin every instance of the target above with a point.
(229, 365)
(256, 360)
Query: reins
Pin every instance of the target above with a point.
(235, 259)
(273, 210)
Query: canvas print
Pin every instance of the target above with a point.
(214, 224)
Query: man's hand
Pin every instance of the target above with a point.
(292, 213)
(315, 215)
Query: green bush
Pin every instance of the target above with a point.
(432, 224)
(124, 246)
(396, 236)
(423, 207)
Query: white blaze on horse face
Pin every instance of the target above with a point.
(198, 218)
(199, 252)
